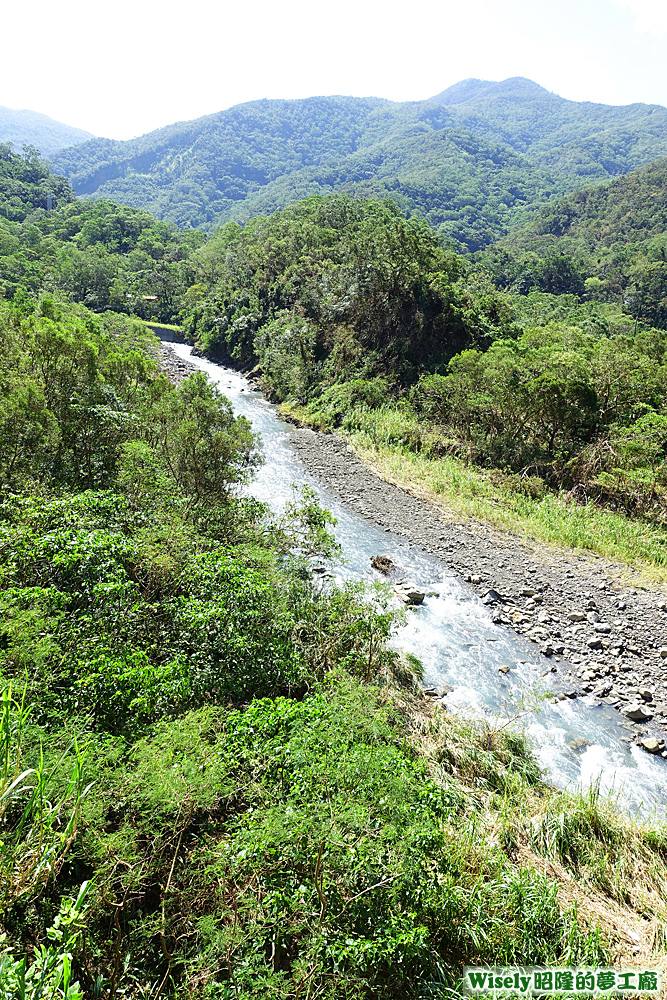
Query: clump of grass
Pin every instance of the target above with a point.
(609, 866)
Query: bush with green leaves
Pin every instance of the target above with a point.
(294, 844)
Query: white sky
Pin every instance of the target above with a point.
(124, 68)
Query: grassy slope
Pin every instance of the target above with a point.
(358, 840)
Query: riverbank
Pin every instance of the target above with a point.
(597, 625)
(571, 841)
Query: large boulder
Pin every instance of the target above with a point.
(491, 597)
(382, 564)
(637, 713)
(651, 745)
(409, 593)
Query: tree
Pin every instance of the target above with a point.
(201, 445)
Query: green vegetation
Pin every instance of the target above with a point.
(362, 321)
(217, 779)
(579, 139)
(348, 309)
(26, 183)
(214, 778)
(336, 288)
(475, 161)
(384, 439)
(606, 244)
(104, 255)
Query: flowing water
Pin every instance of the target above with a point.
(453, 635)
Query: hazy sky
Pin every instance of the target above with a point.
(121, 69)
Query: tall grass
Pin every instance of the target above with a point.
(608, 866)
(38, 825)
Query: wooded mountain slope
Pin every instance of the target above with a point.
(475, 161)
(608, 242)
(578, 138)
(33, 129)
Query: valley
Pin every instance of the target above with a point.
(333, 633)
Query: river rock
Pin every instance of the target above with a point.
(504, 668)
(568, 586)
(594, 643)
(637, 713)
(651, 744)
(409, 593)
(382, 564)
(491, 597)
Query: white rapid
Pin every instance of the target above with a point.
(454, 637)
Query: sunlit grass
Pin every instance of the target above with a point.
(386, 441)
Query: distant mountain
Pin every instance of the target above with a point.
(475, 161)
(30, 128)
(585, 140)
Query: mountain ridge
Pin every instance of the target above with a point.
(32, 128)
(451, 159)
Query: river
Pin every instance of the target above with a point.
(453, 635)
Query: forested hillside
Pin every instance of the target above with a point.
(97, 252)
(29, 128)
(578, 138)
(475, 168)
(361, 320)
(605, 243)
(216, 777)
(349, 307)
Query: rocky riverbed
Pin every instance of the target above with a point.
(599, 632)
